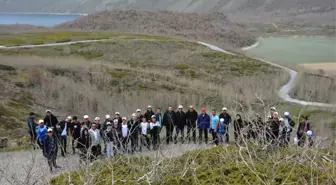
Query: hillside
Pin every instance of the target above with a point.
(263, 11)
(213, 28)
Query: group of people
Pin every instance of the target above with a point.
(143, 130)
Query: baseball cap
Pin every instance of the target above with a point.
(124, 118)
(86, 117)
(224, 108)
(134, 115)
(40, 121)
(117, 113)
(50, 129)
(97, 119)
(286, 114)
(138, 110)
(153, 116)
(107, 116)
(180, 107)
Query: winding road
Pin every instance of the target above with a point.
(283, 92)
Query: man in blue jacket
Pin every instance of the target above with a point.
(41, 133)
(203, 122)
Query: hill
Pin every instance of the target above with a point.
(213, 28)
(319, 12)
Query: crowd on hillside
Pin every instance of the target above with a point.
(119, 135)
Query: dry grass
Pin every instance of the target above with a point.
(214, 28)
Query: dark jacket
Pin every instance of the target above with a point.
(303, 128)
(227, 118)
(159, 118)
(50, 121)
(76, 132)
(191, 118)
(84, 142)
(291, 123)
(133, 127)
(148, 115)
(88, 123)
(31, 125)
(50, 147)
(109, 136)
(181, 119)
(273, 125)
(62, 126)
(169, 119)
(238, 124)
(119, 121)
(203, 121)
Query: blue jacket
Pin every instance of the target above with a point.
(41, 133)
(203, 122)
(159, 118)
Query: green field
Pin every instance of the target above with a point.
(296, 50)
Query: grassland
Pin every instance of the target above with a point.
(65, 36)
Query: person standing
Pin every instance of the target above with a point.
(149, 113)
(83, 144)
(238, 125)
(227, 121)
(124, 134)
(191, 117)
(169, 120)
(86, 122)
(118, 117)
(50, 120)
(154, 127)
(289, 124)
(213, 129)
(32, 128)
(133, 127)
(103, 128)
(221, 129)
(95, 141)
(110, 140)
(180, 123)
(158, 116)
(273, 128)
(203, 122)
(75, 132)
(97, 122)
(50, 149)
(63, 134)
(144, 126)
(41, 133)
(302, 130)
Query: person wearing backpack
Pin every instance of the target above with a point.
(221, 129)
(32, 128)
(50, 149)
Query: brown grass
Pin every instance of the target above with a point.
(213, 28)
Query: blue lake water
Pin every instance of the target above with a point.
(47, 20)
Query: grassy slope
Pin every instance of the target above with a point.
(219, 165)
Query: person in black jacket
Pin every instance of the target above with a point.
(62, 129)
(227, 121)
(84, 144)
(75, 132)
(118, 117)
(149, 113)
(50, 120)
(169, 120)
(133, 127)
(180, 123)
(238, 124)
(191, 117)
(32, 128)
(50, 149)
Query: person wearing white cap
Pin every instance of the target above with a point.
(181, 122)
(95, 141)
(86, 122)
(50, 149)
(118, 117)
(282, 133)
(154, 127)
(289, 124)
(272, 110)
(62, 132)
(133, 126)
(191, 116)
(139, 115)
(50, 120)
(97, 121)
(144, 127)
(149, 113)
(110, 140)
(41, 133)
(227, 121)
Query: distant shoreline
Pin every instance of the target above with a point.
(44, 13)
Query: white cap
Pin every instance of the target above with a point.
(107, 116)
(149, 106)
(138, 110)
(276, 113)
(124, 118)
(108, 123)
(116, 113)
(69, 117)
(309, 133)
(50, 129)
(134, 115)
(273, 108)
(48, 111)
(40, 121)
(281, 119)
(115, 121)
(224, 108)
(153, 116)
(221, 120)
(86, 117)
(286, 114)
(97, 119)
(180, 107)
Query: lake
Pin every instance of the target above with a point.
(37, 19)
(296, 50)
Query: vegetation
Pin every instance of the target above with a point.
(218, 165)
(66, 36)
